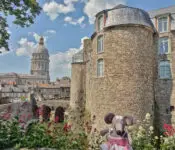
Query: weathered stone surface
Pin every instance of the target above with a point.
(23, 111)
(127, 87)
(77, 103)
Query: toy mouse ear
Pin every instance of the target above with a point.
(108, 118)
(129, 120)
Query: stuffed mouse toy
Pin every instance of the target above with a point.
(117, 137)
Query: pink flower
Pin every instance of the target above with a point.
(40, 111)
(56, 119)
(67, 127)
(169, 130)
(29, 116)
(6, 116)
(49, 124)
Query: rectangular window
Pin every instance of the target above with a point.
(100, 68)
(100, 44)
(163, 45)
(164, 70)
(163, 24)
(100, 23)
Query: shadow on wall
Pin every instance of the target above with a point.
(163, 93)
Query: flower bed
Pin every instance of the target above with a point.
(22, 129)
(39, 135)
(46, 132)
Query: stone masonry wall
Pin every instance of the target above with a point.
(165, 95)
(77, 101)
(127, 87)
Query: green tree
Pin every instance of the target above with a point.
(24, 11)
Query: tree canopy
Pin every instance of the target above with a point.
(24, 11)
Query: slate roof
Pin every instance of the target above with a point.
(121, 15)
(166, 10)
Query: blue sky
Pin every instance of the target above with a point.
(63, 23)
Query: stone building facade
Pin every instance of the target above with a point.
(127, 66)
(164, 22)
(14, 87)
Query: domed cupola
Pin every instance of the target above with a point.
(41, 47)
(40, 60)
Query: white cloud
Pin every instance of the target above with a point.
(37, 37)
(51, 31)
(53, 9)
(92, 7)
(72, 21)
(60, 63)
(70, 1)
(26, 48)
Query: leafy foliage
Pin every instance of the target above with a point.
(24, 12)
(38, 135)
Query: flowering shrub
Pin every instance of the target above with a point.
(143, 136)
(38, 134)
(167, 142)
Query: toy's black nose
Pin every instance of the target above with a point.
(120, 133)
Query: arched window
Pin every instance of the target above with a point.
(100, 23)
(100, 44)
(164, 70)
(100, 68)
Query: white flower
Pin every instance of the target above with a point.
(166, 140)
(141, 128)
(151, 128)
(148, 116)
(156, 137)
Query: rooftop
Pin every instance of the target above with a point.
(160, 11)
(122, 14)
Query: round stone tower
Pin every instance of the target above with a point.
(40, 61)
(120, 72)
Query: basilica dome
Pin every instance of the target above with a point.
(41, 48)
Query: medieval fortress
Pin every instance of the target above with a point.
(126, 67)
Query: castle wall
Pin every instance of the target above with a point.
(127, 87)
(77, 94)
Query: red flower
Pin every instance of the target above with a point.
(67, 127)
(167, 127)
(40, 111)
(49, 115)
(169, 130)
(49, 124)
(37, 111)
(6, 116)
(21, 121)
(29, 116)
(56, 119)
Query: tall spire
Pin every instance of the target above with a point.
(41, 41)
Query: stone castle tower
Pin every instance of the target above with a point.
(40, 61)
(118, 67)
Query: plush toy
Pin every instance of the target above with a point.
(117, 136)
